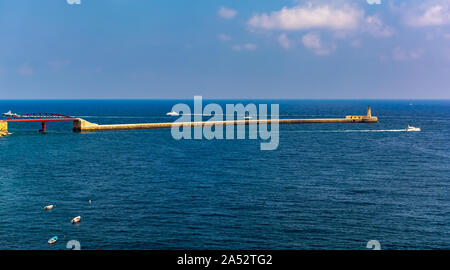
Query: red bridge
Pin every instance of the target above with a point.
(40, 117)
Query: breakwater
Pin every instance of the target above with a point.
(83, 125)
(80, 124)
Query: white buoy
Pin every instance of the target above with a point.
(48, 207)
(90, 201)
(75, 220)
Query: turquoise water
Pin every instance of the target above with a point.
(327, 186)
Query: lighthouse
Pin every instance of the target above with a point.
(369, 112)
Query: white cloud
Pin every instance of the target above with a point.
(376, 27)
(313, 41)
(374, 2)
(25, 70)
(400, 54)
(245, 47)
(336, 21)
(250, 46)
(306, 17)
(223, 37)
(226, 13)
(436, 34)
(76, 2)
(284, 41)
(431, 13)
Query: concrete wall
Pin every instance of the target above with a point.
(83, 125)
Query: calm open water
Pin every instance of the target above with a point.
(327, 186)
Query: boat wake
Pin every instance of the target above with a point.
(373, 130)
(350, 130)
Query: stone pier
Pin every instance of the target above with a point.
(80, 125)
(83, 125)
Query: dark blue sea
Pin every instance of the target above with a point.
(327, 186)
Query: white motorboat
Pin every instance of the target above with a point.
(172, 113)
(48, 207)
(411, 128)
(9, 114)
(75, 220)
(52, 240)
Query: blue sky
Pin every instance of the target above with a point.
(224, 49)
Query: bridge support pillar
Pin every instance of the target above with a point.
(3, 128)
(44, 127)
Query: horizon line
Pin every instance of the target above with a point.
(305, 99)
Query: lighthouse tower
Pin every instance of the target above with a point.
(369, 112)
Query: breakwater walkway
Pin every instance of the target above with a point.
(80, 125)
